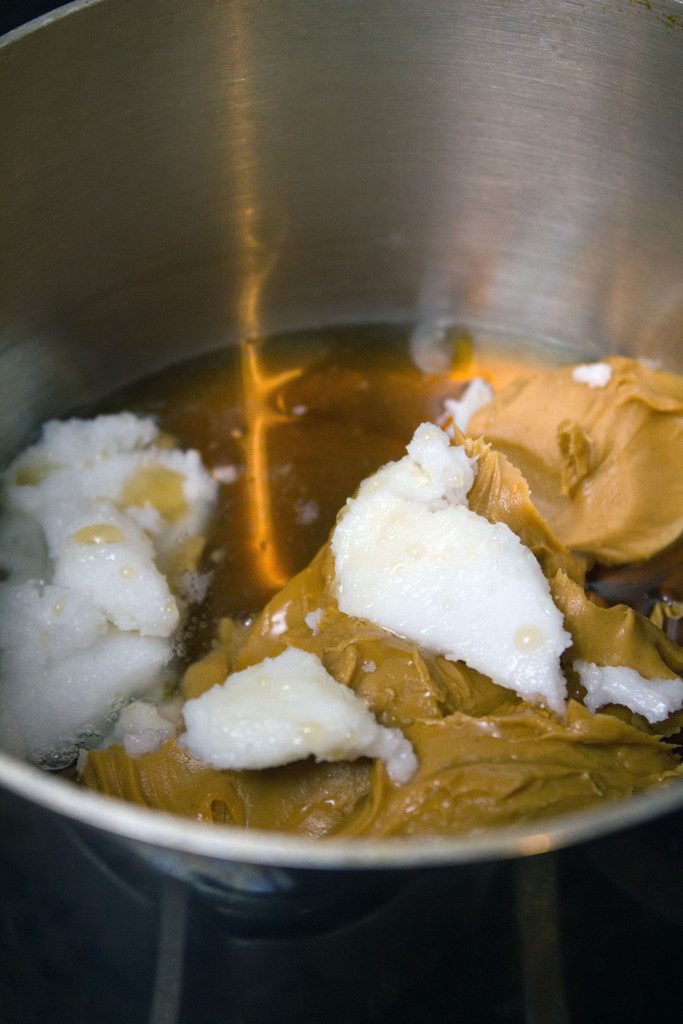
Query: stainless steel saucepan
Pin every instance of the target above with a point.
(176, 176)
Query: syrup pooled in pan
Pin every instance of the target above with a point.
(290, 426)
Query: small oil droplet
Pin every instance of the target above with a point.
(528, 639)
(99, 533)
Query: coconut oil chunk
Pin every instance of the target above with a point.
(89, 621)
(655, 699)
(65, 671)
(595, 375)
(143, 727)
(411, 557)
(286, 709)
(459, 411)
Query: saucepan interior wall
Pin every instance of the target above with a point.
(177, 177)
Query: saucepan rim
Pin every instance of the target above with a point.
(258, 846)
(42, 20)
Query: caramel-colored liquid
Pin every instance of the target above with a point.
(292, 424)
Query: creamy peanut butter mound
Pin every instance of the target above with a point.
(485, 756)
(499, 738)
(601, 451)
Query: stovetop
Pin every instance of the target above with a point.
(15, 12)
(576, 937)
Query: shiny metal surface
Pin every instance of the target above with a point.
(176, 176)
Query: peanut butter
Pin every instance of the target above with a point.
(602, 463)
(486, 758)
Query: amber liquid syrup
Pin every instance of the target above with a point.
(291, 424)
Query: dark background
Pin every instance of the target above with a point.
(16, 12)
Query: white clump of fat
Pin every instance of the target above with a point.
(654, 699)
(411, 557)
(313, 620)
(459, 411)
(78, 461)
(65, 671)
(87, 617)
(286, 709)
(595, 375)
(117, 573)
(143, 727)
(194, 586)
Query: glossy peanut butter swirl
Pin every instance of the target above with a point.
(486, 758)
(603, 463)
